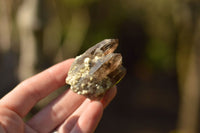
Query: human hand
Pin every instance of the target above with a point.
(69, 112)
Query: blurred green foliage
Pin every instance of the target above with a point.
(160, 55)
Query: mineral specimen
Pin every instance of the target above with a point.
(97, 70)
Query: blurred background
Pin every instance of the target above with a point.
(159, 41)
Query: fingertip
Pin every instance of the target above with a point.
(90, 118)
(96, 105)
(96, 109)
(69, 61)
(108, 97)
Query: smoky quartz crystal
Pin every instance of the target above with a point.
(97, 70)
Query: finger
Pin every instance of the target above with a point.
(89, 119)
(28, 129)
(69, 123)
(110, 94)
(30, 91)
(65, 107)
(10, 121)
(56, 112)
(2, 130)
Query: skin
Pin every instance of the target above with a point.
(68, 113)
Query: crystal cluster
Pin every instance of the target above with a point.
(97, 70)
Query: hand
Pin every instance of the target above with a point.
(69, 112)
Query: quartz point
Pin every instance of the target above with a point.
(97, 70)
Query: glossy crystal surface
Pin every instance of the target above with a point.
(97, 70)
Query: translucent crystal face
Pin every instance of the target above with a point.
(97, 70)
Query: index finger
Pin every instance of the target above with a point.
(24, 96)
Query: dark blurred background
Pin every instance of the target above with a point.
(159, 41)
